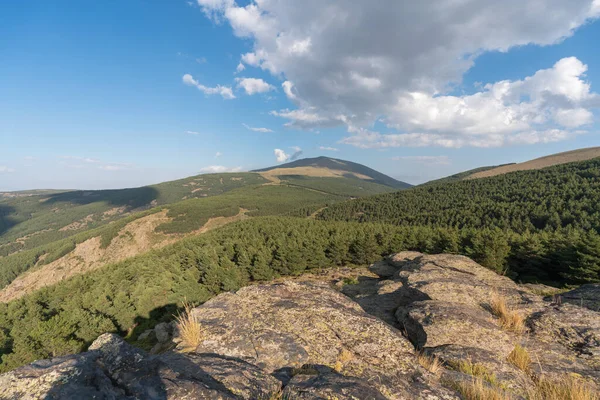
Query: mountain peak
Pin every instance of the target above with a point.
(331, 167)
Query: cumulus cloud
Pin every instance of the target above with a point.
(427, 160)
(282, 156)
(326, 148)
(254, 85)
(218, 154)
(261, 130)
(353, 61)
(6, 170)
(240, 67)
(224, 91)
(217, 169)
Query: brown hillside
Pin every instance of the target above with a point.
(543, 162)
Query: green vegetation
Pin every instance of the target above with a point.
(135, 294)
(548, 220)
(41, 219)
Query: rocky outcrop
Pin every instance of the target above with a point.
(316, 337)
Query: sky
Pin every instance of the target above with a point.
(119, 94)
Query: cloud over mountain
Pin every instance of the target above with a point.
(350, 62)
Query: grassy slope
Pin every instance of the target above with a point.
(39, 218)
(462, 175)
(225, 195)
(542, 162)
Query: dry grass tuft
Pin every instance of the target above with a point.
(430, 363)
(476, 389)
(510, 320)
(568, 387)
(519, 357)
(189, 328)
(476, 370)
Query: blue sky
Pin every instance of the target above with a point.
(93, 94)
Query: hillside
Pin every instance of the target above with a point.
(331, 167)
(51, 237)
(462, 175)
(538, 163)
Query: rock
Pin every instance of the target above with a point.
(587, 296)
(112, 369)
(162, 332)
(284, 326)
(399, 259)
(383, 269)
(319, 382)
(445, 308)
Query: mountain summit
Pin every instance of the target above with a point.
(332, 167)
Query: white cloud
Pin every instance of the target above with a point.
(218, 169)
(261, 130)
(192, 132)
(303, 118)
(351, 59)
(550, 101)
(218, 154)
(288, 88)
(254, 85)
(201, 60)
(240, 68)
(6, 170)
(427, 160)
(282, 156)
(115, 166)
(325, 148)
(224, 91)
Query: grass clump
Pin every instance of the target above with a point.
(510, 320)
(190, 331)
(567, 387)
(476, 370)
(476, 389)
(519, 357)
(430, 363)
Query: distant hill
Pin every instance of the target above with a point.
(462, 175)
(538, 163)
(48, 236)
(331, 167)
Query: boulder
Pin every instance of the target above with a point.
(284, 326)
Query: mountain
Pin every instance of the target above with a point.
(47, 236)
(331, 167)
